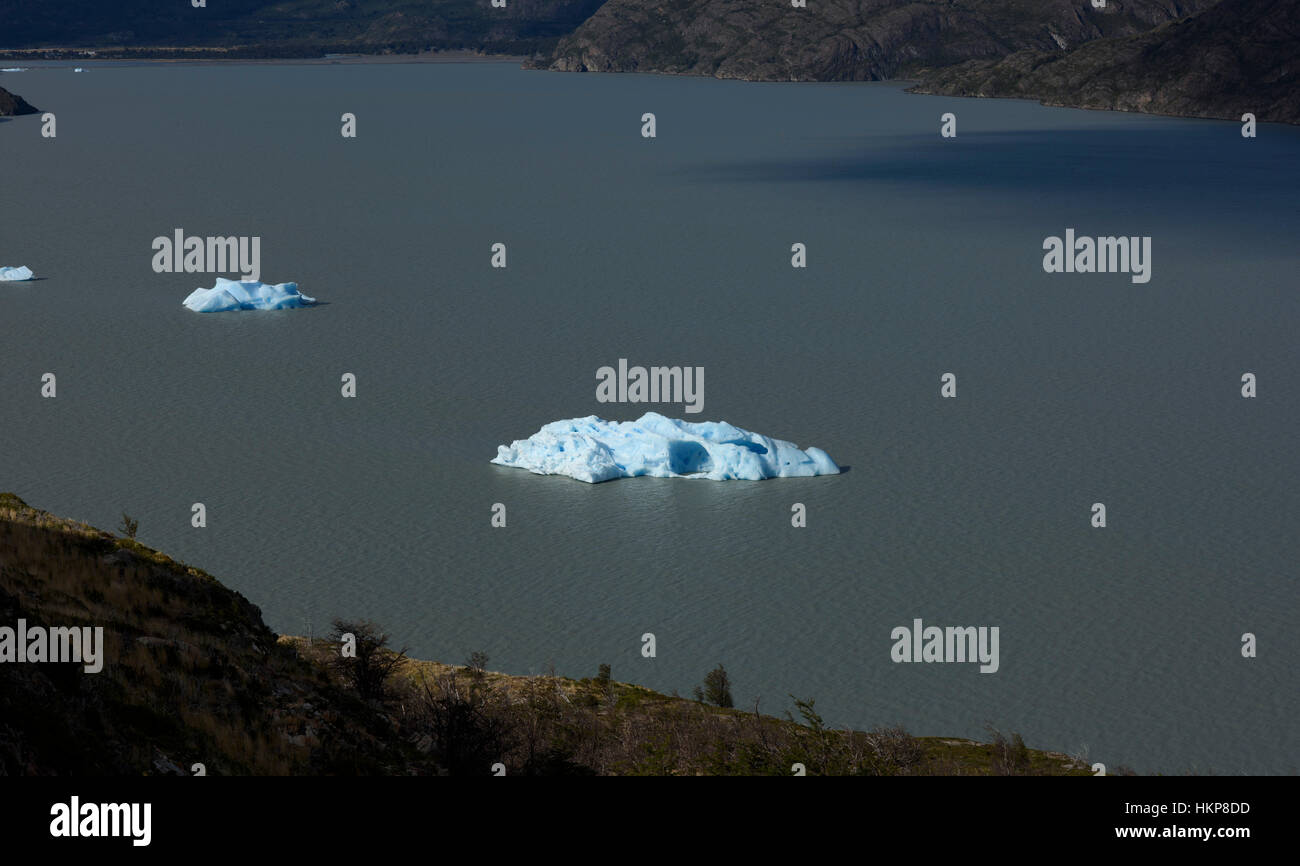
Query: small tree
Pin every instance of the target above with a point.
(367, 670)
(1010, 757)
(818, 742)
(716, 689)
(477, 661)
(605, 682)
(130, 526)
(467, 726)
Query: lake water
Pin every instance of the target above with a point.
(924, 257)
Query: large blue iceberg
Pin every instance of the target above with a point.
(22, 272)
(591, 449)
(229, 295)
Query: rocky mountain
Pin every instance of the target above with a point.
(1210, 58)
(1237, 57)
(840, 40)
(12, 104)
(288, 28)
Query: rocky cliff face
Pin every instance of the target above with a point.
(11, 104)
(840, 40)
(1237, 57)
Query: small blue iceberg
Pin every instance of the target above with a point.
(15, 274)
(228, 295)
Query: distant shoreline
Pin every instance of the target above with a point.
(195, 55)
(915, 84)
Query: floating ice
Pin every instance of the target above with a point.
(229, 295)
(591, 449)
(21, 272)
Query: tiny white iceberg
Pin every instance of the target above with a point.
(228, 295)
(592, 449)
(21, 272)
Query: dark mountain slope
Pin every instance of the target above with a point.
(1240, 56)
(289, 27)
(840, 40)
(190, 672)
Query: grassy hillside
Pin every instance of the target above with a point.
(193, 675)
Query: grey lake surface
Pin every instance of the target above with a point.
(924, 257)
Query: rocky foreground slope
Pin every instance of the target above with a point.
(191, 675)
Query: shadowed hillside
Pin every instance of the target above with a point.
(840, 40)
(192, 675)
(1240, 56)
(293, 27)
(1204, 58)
